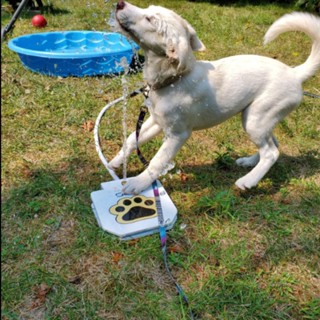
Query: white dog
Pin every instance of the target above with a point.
(189, 95)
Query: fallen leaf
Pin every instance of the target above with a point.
(133, 242)
(26, 171)
(88, 125)
(40, 295)
(183, 177)
(105, 98)
(176, 248)
(116, 257)
(43, 290)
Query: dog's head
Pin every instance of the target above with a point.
(160, 32)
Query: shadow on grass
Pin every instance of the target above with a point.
(302, 4)
(68, 188)
(241, 3)
(62, 190)
(223, 172)
(53, 10)
(47, 9)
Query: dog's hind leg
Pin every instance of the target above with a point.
(148, 130)
(254, 159)
(248, 161)
(268, 155)
(247, 120)
(259, 126)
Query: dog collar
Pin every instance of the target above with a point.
(165, 83)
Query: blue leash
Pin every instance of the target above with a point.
(162, 228)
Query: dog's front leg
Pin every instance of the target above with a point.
(148, 130)
(157, 165)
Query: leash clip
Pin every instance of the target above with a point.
(146, 91)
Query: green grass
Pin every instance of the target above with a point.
(238, 255)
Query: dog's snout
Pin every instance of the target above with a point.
(120, 5)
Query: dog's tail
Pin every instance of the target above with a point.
(307, 23)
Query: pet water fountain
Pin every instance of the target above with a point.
(129, 216)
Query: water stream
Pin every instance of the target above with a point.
(125, 90)
(125, 65)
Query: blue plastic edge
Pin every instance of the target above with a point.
(66, 55)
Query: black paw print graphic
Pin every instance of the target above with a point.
(134, 209)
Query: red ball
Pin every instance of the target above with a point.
(39, 21)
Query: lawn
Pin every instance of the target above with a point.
(237, 255)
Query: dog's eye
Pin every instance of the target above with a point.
(148, 19)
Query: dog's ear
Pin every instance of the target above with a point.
(195, 42)
(180, 45)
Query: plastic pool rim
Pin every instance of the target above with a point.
(95, 54)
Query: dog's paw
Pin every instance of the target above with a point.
(136, 185)
(115, 163)
(245, 183)
(248, 161)
(132, 209)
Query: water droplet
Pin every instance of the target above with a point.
(183, 226)
(167, 168)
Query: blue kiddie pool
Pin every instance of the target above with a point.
(74, 53)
